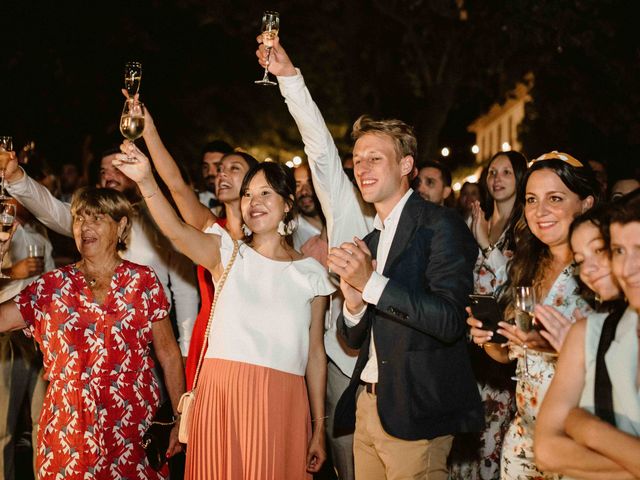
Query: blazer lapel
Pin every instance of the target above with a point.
(372, 243)
(404, 232)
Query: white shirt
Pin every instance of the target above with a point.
(304, 232)
(27, 234)
(377, 282)
(145, 247)
(263, 312)
(346, 214)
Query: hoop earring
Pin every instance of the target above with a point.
(246, 230)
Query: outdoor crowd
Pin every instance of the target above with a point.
(328, 315)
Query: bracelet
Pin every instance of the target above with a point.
(487, 251)
(319, 418)
(149, 196)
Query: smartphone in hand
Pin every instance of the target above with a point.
(486, 309)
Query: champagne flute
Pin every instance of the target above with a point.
(7, 216)
(525, 302)
(132, 77)
(6, 146)
(270, 28)
(132, 121)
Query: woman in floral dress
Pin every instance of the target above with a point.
(557, 187)
(476, 456)
(95, 322)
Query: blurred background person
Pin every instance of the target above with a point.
(469, 193)
(477, 456)
(22, 385)
(433, 182)
(212, 153)
(622, 183)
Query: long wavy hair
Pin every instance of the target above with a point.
(532, 255)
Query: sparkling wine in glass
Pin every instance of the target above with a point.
(270, 28)
(132, 121)
(7, 216)
(525, 302)
(132, 77)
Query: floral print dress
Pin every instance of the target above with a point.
(476, 456)
(517, 462)
(102, 394)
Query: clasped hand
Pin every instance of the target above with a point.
(353, 263)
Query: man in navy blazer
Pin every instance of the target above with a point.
(405, 287)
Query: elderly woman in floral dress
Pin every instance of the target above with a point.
(95, 321)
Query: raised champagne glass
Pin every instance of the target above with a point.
(132, 121)
(7, 216)
(525, 302)
(6, 146)
(132, 77)
(270, 28)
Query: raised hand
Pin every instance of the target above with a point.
(148, 119)
(279, 62)
(479, 225)
(133, 163)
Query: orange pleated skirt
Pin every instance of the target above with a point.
(249, 423)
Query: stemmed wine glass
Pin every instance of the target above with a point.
(7, 216)
(270, 28)
(6, 146)
(132, 77)
(525, 302)
(132, 121)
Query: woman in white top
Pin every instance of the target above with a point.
(569, 438)
(251, 418)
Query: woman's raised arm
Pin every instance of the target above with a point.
(202, 248)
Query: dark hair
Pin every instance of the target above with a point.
(519, 166)
(280, 178)
(598, 216)
(251, 161)
(216, 146)
(627, 209)
(531, 254)
(444, 170)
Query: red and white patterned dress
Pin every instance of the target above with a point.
(102, 393)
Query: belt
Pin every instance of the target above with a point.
(370, 387)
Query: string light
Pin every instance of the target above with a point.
(475, 149)
(445, 152)
(297, 160)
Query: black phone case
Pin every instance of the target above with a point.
(486, 309)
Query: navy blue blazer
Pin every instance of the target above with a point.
(426, 387)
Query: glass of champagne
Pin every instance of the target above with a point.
(132, 121)
(270, 28)
(6, 146)
(7, 216)
(132, 77)
(525, 302)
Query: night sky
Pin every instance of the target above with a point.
(437, 64)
